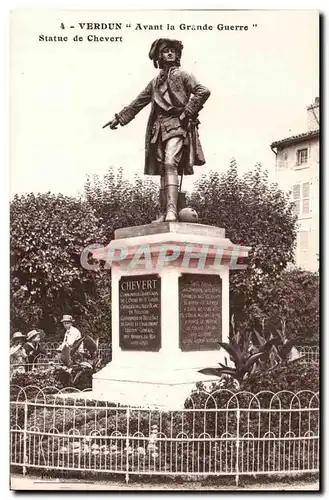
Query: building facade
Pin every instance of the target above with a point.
(297, 171)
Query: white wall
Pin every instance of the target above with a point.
(288, 174)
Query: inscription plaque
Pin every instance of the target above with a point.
(200, 312)
(140, 312)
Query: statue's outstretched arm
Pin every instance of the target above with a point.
(129, 112)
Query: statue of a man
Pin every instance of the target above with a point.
(172, 145)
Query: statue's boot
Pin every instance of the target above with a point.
(171, 182)
(162, 202)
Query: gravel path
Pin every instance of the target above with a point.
(33, 483)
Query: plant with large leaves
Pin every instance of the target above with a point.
(284, 348)
(243, 356)
(268, 361)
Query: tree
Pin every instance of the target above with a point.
(254, 213)
(48, 234)
(292, 304)
(119, 203)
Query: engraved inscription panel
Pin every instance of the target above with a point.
(140, 312)
(200, 312)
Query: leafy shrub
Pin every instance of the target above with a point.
(297, 376)
(289, 302)
(40, 379)
(48, 234)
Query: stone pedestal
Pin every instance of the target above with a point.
(170, 308)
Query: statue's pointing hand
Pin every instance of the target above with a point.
(113, 124)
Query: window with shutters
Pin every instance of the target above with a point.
(301, 198)
(303, 241)
(302, 157)
(305, 198)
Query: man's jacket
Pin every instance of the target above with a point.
(187, 95)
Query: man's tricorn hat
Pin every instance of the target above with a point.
(159, 44)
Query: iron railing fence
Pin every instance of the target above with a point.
(225, 433)
(310, 353)
(104, 349)
(43, 363)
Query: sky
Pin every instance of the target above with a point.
(261, 81)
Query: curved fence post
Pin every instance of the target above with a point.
(237, 446)
(25, 461)
(127, 446)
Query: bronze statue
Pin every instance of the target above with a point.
(172, 145)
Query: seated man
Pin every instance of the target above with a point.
(72, 334)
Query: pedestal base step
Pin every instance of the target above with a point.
(164, 389)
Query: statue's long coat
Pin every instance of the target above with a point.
(186, 93)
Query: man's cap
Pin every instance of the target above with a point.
(159, 44)
(68, 318)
